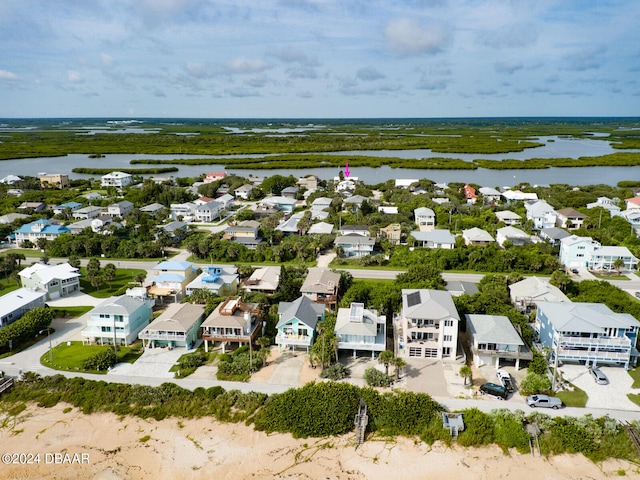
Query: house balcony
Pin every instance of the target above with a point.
(378, 345)
(567, 342)
(590, 355)
(523, 354)
(167, 336)
(213, 336)
(327, 300)
(294, 340)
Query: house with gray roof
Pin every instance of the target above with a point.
(321, 285)
(297, 323)
(477, 237)
(244, 191)
(493, 338)
(290, 225)
(87, 213)
(55, 280)
(289, 192)
(434, 239)
(525, 293)
(361, 329)
(320, 208)
(589, 333)
(514, 235)
(354, 245)
(263, 279)
(425, 218)
(541, 213)
(427, 326)
(120, 209)
(320, 228)
(245, 233)
(15, 304)
(127, 315)
(553, 234)
(177, 326)
(11, 217)
(461, 287)
(152, 208)
(508, 217)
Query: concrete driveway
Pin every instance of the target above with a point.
(612, 396)
(426, 376)
(154, 362)
(287, 369)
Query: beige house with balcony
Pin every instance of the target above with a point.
(321, 286)
(233, 321)
(177, 326)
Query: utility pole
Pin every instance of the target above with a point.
(555, 364)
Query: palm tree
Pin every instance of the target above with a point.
(466, 373)
(386, 358)
(618, 264)
(399, 364)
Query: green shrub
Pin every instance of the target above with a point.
(478, 428)
(509, 432)
(26, 327)
(100, 361)
(534, 383)
(376, 378)
(337, 371)
(538, 364)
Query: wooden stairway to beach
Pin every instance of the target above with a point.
(361, 421)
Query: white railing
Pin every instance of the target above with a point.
(293, 339)
(162, 336)
(595, 342)
(584, 355)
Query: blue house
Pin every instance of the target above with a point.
(587, 332)
(49, 229)
(297, 322)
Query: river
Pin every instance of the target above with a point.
(554, 147)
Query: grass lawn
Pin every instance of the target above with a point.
(70, 357)
(123, 277)
(576, 398)
(635, 374)
(27, 252)
(611, 277)
(634, 397)
(8, 285)
(71, 312)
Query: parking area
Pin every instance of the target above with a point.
(154, 362)
(612, 396)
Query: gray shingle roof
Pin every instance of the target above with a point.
(303, 308)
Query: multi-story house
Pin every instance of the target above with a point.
(575, 251)
(117, 179)
(605, 258)
(569, 218)
(126, 314)
(360, 329)
(184, 210)
(425, 218)
(220, 280)
(49, 229)
(55, 280)
(493, 338)
(244, 191)
(177, 326)
(320, 208)
(263, 279)
(120, 209)
(541, 213)
(321, 285)
(427, 327)
(490, 194)
(214, 177)
(170, 279)
(16, 303)
(209, 211)
(354, 245)
(297, 323)
(233, 321)
(525, 293)
(283, 204)
(244, 233)
(588, 333)
(87, 213)
(469, 193)
(610, 204)
(54, 180)
(392, 233)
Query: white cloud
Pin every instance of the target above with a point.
(407, 37)
(243, 65)
(6, 75)
(433, 83)
(73, 76)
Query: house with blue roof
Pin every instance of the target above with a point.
(67, 207)
(170, 279)
(221, 280)
(43, 228)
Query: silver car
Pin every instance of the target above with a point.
(599, 377)
(544, 401)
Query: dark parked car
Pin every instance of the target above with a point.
(544, 401)
(497, 391)
(599, 377)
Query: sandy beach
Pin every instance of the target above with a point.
(110, 447)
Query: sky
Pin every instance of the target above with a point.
(319, 58)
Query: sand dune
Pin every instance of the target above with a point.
(131, 448)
